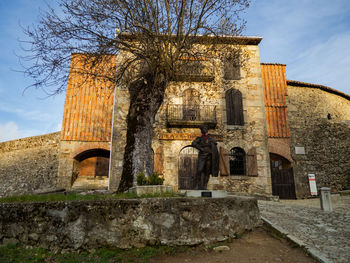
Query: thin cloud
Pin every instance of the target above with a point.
(311, 37)
(9, 131)
(326, 62)
(33, 115)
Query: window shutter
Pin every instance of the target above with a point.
(158, 160)
(224, 162)
(252, 162)
(234, 107)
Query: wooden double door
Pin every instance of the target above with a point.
(282, 177)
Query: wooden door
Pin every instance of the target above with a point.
(102, 166)
(282, 177)
(187, 168)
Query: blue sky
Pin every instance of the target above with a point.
(311, 36)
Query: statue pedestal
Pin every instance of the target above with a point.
(206, 193)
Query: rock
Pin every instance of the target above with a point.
(34, 236)
(221, 248)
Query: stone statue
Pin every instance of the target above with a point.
(208, 159)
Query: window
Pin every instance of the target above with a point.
(234, 107)
(191, 101)
(237, 161)
(232, 69)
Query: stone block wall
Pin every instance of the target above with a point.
(29, 164)
(127, 223)
(319, 122)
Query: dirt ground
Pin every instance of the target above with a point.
(256, 246)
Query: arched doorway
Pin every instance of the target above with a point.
(187, 167)
(282, 177)
(94, 162)
(91, 169)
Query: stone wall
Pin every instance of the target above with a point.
(29, 164)
(320, 122)
(127, 223)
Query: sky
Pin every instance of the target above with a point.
(312, 37)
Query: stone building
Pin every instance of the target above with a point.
(271, 132)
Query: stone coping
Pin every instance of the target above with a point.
(151, 189)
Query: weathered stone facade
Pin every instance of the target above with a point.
(168, 141)
(29, 164)
(319, 120)
(126, 223)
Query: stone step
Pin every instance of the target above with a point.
(90, 183)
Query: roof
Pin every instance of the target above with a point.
(277, 64)
(317, 86)
(239, 40)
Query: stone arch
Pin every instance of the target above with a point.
(280, 147)
(90, 168)
(89, 147)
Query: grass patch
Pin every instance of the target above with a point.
(17, 253)
(77, 197)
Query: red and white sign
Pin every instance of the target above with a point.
(312, 182)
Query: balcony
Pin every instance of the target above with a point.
(191, 116)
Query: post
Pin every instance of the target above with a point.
(325, 198)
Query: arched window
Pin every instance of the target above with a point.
(234, 107)
(237, 161)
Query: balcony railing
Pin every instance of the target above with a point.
(191, 116)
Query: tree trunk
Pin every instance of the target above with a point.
(146, 96)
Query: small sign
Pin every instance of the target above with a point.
(299, 150)
(312, 182)
(186, 136)
(206, 194)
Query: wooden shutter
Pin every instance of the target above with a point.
(252, 162)
(234, 107)
(224, 162)
(158, 160)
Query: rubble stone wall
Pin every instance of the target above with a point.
(320, 122)
(29, 164)
(126, 223)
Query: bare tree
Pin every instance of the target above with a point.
(155, 34)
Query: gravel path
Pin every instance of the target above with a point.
(326, 233)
